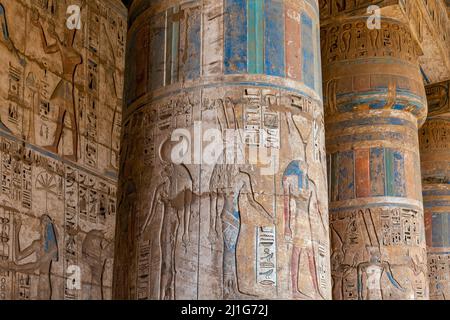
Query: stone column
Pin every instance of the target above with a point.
(435, 156)
(374, 104)
(249, 220)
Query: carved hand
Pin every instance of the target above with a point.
(52, 31)
(35, 18)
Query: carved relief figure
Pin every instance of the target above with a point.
(419, 267)
(340, 270)
(238, 196)
(45, 250)
(218, 186)
(168, 230)
(96, 251)
(297, 203)
(171, 200)
(63, 95)
(370, 275)
(221, 176)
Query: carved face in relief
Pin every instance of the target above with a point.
(375, 254)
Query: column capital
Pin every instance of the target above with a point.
(434, 142)
(438, 96)
(371, 69)
(427, 21)
(374, 100)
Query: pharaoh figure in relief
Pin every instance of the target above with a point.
(63, 96)
(222, 182)
(59, 145)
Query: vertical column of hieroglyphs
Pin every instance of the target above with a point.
(374, 104)
(435, 157)
(60, 120)
(245, 75)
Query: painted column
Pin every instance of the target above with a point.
(374, 105)
(242, 213)
(435, 156)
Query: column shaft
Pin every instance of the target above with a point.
(374, 105)
(435, 157)
(244, 74)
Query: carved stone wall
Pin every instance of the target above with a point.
(60, 120)
(250, 70)
(374, 104)
(435, 157)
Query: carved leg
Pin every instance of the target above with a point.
(167, 274)
(295, 263)
(229, 269)
(220, 204)
(165, 282)
(337, 287)
(187, 216)
(44, 291)
(173, 271)
(45, 281)
(168, 240)
(295, 260)
(213, 234)
(58, 132)
(313, 272)
(287, 217)
(229, 266)
(74, 156)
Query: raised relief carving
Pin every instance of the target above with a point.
(362, 266)
(97, 250)
(63, 95)
(55, 188)
(438, 97)
(242, 235)
(354, 40)
(45, 249)
(297, 215)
